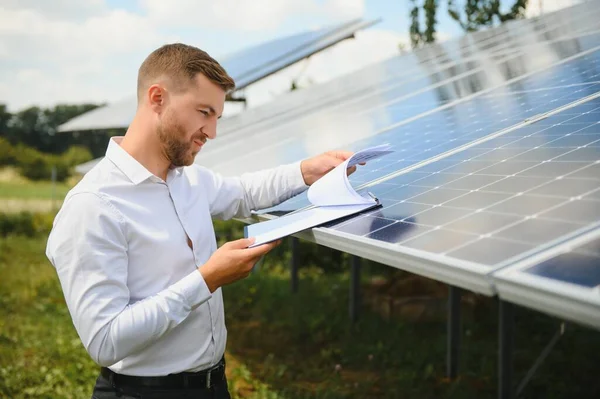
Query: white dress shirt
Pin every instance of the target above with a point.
(119, 246)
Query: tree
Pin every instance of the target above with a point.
(36, 128)
(474, 15)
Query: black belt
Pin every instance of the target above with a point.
(200, 379)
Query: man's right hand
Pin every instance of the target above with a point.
(232, 262)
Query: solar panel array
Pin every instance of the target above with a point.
(246, 67)
(497, 162)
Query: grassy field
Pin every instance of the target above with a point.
(18, 194)
(302, 345)
(284, 345)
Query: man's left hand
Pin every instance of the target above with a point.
(316, 167)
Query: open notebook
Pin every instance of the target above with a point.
(332, 197)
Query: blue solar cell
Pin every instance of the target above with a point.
(576, 267)
(503, 197)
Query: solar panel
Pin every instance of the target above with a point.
(246, 67)
(563, 281)
(465, 122)
(398, 78)
(382, 111)
(413, 66)
(499, 199)
(251, 65)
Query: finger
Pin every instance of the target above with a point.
(241, 243)
(260, 250)
(350, 170)
(343, 155)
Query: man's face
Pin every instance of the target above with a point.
(189, 119)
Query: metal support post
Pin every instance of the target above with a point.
(506, 326)
(454, 331)
(354, 301)
(294, 264)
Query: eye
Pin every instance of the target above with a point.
(205, 113)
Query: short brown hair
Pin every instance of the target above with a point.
(179, 62)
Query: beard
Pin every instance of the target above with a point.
(176, 148)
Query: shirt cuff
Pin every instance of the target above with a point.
(194, 289)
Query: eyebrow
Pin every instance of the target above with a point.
(210, 109)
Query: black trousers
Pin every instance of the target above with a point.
(105, 390)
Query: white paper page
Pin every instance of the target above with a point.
(369, 153)
(335, 189)
(284, 226)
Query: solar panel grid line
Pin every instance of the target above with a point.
(510, 54)
(437, 84)
(513, 50)
(508, 196)
(561, 248)
(479, 141)
(474, 95)
(443, 140)
(337, 103)
(561, 298)
(409, 149)
(504, 227)
(274, 132)
(540, 90)
(471, 96)
(464, 274)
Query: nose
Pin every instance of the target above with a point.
(210, 129)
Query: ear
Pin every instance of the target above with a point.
(157, 96)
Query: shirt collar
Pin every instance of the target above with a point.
(134, 170)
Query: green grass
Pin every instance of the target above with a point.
(284, 345)
(33, 190)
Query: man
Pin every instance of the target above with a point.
(134, 245)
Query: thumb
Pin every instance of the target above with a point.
(241, 243)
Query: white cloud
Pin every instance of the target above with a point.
(60, 9)
(246, 15)
(51, 40)
(76, 51)
(87, 55)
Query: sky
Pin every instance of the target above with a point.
(75, 51)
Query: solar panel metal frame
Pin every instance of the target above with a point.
(558, 298)
(461, 273)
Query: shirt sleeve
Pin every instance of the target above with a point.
(238, 196)
(88, 247)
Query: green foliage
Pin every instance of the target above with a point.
(8, 155)
(76, 155)
(479, 13)
(475, 14)
(41, 355)
(36, 127)
(36, 165)
(292, 345)
(25, 223)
